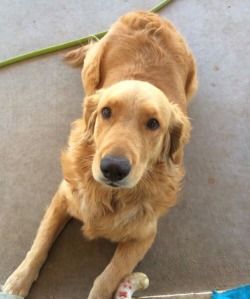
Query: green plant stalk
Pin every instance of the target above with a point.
(66, 45)
(51, 49)
(160, 6)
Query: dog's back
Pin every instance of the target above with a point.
(140, 46)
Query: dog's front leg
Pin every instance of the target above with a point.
(126, 257)
(53, 222)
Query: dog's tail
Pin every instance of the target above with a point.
(76, 57)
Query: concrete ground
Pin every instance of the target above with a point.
(204, 242)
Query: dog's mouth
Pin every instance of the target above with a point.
(111, 184)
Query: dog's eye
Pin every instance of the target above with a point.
(153, 124)
(106, 112)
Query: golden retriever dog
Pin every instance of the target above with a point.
(123, 166)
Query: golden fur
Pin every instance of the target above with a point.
(142, 69)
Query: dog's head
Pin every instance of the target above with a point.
(133, 126)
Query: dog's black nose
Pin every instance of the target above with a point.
(115, 168)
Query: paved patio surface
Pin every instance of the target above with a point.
(204, 242)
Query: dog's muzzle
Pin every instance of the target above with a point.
(115, 168)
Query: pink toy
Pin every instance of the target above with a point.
(130, 284)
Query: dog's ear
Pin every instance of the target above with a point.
(175, 132)
(89, 115)
(177, 135)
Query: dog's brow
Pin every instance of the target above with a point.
(149, 110)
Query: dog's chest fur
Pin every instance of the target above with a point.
(110, 215)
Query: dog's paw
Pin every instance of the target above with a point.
(99, 296)
(98, 292)
(19, 282)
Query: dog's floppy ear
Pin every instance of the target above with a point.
(177, 135)
(175, 138)
(89, 115)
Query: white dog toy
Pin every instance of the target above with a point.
(130, 284)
